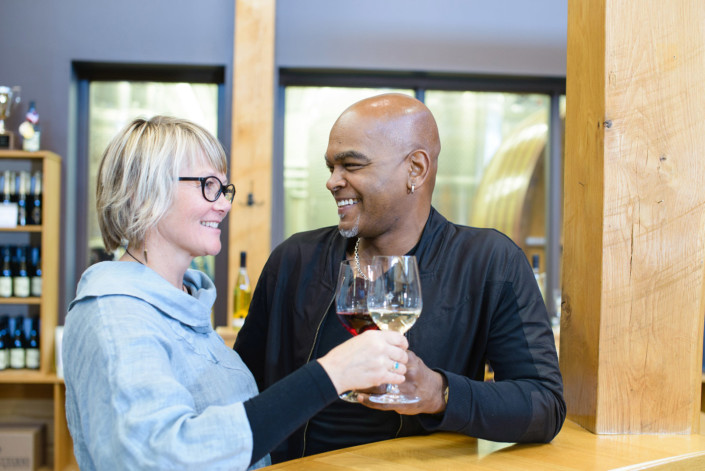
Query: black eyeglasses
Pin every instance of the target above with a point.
(212, 188)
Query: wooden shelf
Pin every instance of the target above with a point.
(28, 376)
(15, 300)
(28, 228)
(34, 387)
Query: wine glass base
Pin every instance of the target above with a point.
(349, 396)
(394, 399)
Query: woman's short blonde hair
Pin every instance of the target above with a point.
(139, 171)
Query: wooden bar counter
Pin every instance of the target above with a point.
(573, 449)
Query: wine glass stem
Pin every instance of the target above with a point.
(393, 389)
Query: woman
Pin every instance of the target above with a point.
(149, 384)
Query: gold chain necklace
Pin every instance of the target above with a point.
(357, 260)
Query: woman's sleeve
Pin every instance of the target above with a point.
(278, 411)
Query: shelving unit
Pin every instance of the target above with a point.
(39, 395)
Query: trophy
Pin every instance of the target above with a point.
(9, 97)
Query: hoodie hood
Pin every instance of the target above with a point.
(139, 281)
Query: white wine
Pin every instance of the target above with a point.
(398, 319)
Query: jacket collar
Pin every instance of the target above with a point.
(428, 251)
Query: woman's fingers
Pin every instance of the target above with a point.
(367, 360)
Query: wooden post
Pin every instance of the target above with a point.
(634, 217)
(253, 122)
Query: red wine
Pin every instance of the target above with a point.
(356, 322)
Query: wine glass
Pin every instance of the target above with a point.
(394, 302)
(351, 304)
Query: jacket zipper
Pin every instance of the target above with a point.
(310, 354)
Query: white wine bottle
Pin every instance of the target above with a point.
(32, 345)
(242, 294)
(6, 273)
(18, 345)
(20, 278)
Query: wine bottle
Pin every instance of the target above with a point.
(35, 213)
(4, 343)
(6, 273)
(13, 187)
(32, 345)
(35, 271)
(20, 278)
(242, 295)
(7, 178)
(17, 345)
(22, 187)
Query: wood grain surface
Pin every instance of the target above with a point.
(634, 225)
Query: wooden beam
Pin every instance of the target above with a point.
(634, 215)
(253, 121)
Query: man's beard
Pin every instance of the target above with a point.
(350, 233)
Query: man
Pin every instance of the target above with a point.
(481, 301)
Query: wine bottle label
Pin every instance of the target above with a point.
(32, 358)
(36, 286)
(4, 359)
(5, 286)
(17, 358)
(20, 286)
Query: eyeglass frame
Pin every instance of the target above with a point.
(221, 191)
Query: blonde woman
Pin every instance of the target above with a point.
(149, 384)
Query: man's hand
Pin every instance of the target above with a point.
(421, 381)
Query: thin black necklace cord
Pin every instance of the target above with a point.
(136, 259)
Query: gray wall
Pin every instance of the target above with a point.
(40, 38)
(507, 37)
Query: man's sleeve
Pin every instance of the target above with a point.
(525, 402)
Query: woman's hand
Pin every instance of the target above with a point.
(369, 359)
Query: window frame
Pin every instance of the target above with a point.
(84, 73)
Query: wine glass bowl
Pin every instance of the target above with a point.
(351, 304)
(394, 302)
(351, 299)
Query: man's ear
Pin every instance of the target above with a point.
(419, 166)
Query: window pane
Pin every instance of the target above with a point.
(114, 104)
(491, 167)
(310, 114)
(475, 129)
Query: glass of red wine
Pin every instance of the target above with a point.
(351, 304)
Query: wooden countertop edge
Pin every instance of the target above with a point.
(574, 448)
(695, 460)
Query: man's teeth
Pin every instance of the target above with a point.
(342, 203)
(214, 225)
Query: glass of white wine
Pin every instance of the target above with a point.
(394, 303)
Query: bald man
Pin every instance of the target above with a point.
(481, 301)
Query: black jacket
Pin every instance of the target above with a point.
(481, 303)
